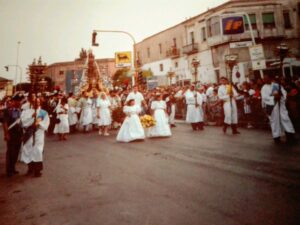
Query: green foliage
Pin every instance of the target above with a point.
(147, 73)
(121, 77)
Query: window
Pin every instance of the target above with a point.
(252, 18)
(160, 48)
(203, 34)
(174, 42)
(209, 31)
(161, 67)
(148, 52)
(268, 20)
(61, 72)
(213, 26)
(176, 64)
(192, 38)
(287, 20)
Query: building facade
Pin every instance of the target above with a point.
(67, 75)
(202, 38)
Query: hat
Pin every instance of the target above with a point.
(17, 97)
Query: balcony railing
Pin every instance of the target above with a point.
(173, 52)
(190, 49)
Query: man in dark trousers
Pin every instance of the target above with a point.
(12, 134)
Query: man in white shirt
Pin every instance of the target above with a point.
(194, 114)
(137, 96)
(273, 100)
(228, 94)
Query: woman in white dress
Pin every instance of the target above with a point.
(86, 116)
(103, 114)
(162, 127)
(62, 127)
(95, 100)
(131, 128)
(73, 117)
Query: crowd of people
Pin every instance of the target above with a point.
(256, 104)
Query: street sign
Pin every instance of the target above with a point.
(123, 59)
(241, 44)
(233, 25)
(259, 64)
(257, 57)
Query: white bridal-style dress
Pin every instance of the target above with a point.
(131, 128)
(63, 126)
(104, 111)
(86, 116)
(162, 127)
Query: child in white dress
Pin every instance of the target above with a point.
(62, 127)
(162, 127)
(103, 114)
(131, 128)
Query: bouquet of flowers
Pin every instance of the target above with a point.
(147, 121)
(118, 115)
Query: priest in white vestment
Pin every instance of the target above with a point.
(228, 95)
(273, 100)
(35, 122)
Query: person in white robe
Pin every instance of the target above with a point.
(162, 127)
(73, 117)
(95, 119)
(62, 127)
(201, 91)
(137, 96)
(35, 122)
(228, 95)
(273, 101)
(86, 116)
(171, 109)
(103, 114)
(194, 114)
(131, 128)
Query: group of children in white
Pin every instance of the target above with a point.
(99, 114)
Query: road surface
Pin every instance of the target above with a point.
(192, 178)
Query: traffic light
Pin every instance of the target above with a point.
(6, 67)
(94, 39)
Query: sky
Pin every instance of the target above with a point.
(58, 29)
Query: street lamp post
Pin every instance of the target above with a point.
(134, 48)
(171, 74)
(283, 50)
(17, 62)
(195, 64)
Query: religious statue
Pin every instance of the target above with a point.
(93, 80)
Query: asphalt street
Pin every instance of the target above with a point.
(192, 178)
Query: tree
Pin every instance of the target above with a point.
(121, 78)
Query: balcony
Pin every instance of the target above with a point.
(173, 52)
(190, 49)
